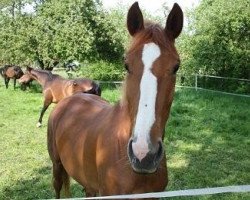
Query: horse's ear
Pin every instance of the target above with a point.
(29, 68)
(134, 19)
(174, 22)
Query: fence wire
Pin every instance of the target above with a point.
(226, 85)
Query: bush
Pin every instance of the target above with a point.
(103, 71)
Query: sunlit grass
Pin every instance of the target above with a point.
(207, 143)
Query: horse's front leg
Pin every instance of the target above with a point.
(45, 106)
(6, 81)
(89, 192)
(23, 86)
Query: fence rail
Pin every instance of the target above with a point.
(225, 85)
(178, 193)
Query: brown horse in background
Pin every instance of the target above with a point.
(25, 81)
(119, 149)
(11, 72)
(55, 87)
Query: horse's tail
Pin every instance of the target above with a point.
(96, 89)
(2, 69)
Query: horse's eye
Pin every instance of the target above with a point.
(176, 67)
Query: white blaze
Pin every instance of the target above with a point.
(146, 110)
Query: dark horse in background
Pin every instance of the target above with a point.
(55, 87)
(11, 72)
(118, 149)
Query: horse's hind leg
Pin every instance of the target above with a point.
(14, 83)
(60, 178)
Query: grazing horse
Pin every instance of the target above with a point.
(11, 72)
(25, 81)
(119, 149)
(55, 87)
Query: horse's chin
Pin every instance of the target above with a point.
(139, 170)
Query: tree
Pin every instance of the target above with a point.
(217, 40)
(60, 30)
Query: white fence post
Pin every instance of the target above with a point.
(196, 82)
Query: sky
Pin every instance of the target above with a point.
(152, 6)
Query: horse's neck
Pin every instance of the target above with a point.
(123, 120)
(41, 77)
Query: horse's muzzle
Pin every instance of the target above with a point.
(149, 163)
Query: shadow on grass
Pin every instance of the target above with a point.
(37, 186)
(34, 88)
(207, 143)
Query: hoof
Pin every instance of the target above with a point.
(38, 125)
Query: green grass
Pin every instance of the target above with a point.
(207, 143)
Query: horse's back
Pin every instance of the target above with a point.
(13, 71)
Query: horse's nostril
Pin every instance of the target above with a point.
(160, 151)
(130, 150)
(160, 147)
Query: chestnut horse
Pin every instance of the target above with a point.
(55, 87)
(119, 149)
(11, 72)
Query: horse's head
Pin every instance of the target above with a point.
(18, 72)
(29, 71)
(85, 86)
(26, 78)
(151, 63)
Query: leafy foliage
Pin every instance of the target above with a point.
(104, 71)
(59, 31)
(217, 41)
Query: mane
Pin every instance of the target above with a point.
(151, 33)
(48, 73)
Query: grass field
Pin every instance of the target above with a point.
(207, 143)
